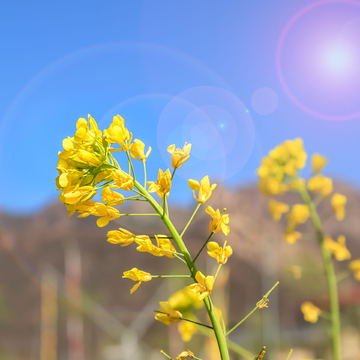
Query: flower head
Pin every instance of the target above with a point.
(320, 184)
(221, 254)
(338, 202)
(355, 268)
(137, 275)
(204, 285)
(167, 315)
(163, 184)
(109, 196)
(122, 180)
(137, 150)
(318, 162)
(338, 248)
(310, 311)
(298, 214)
(179, 156)
(118, 133)
(276, 209)
(124, 237)
(204, 189)
(185, 354)
(292, 236)
(218, 221)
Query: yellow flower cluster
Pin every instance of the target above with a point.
(338, 248)
(203, 287)
(310, 311)
(280, 166)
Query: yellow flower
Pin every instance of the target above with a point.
(84, 158)
(338, 202)
(122, 180)
(355, 268)
(338, 248)
(187, 330)
(219, 253)
(109, 196)
(292, 236)
(124, 237)
(87, 132)
(218, 221)
(74, 194)
(203, 286)
(320, 184)
(310, 311)
(179, 156)
(276, 209)
(118, 133)
(298, 214)
(185, 354)
(164, 243)
(296, 270)
(204, 189)
(167, 315)
(137, 275)
(272, 186)
(163, 184)
(137, 149)
(185, 300)
(318, 162)
(106, 212)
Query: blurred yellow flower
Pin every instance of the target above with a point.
(355, 268)
(276, 209)
(204, 285)
(296, 270)
(204, 189)
(179, 156)
(310, 311)
(338, 202)
(163, 184)
(299, 214)
(185, 354)
(292, 236)
(167, 314)
(136, 275)
(219, 253)
(187, 330)
(338, 248)
(185, 300)
(318, 162)
(218, 221)
(137, 149)
(320, 184)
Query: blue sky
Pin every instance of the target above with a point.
(142, 60)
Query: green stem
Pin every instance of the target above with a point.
(197, 323)
(343, 275)
(258, 304)
(217, 271)
(123, 199)
(170, 276)
(192, 216)
(131, 165)
(287, 358)
(211, 234)
(221, 340)
(164, 353)
(144, 163)
(173, 173)
(330, 273)
(181, 259)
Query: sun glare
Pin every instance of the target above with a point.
(338, 59)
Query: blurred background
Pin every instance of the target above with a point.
(232, 78)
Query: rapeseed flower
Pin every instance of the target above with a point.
(137, 150)
(124, 237)
(320, 184)
(179, 156)
(338, 248)
(298, 214)
(187, 330)
(204, 285)
(338, 202)
(355, 268)
(75, 194)
(318, 162)
(122, 180)
(118, 133)
(221, 254)
(292, 236)
(163, 184)
(276, 209)
(218, 221)
(109, 196)
(185, 354)
(204, 189)
(310, 311)
(184, 300)
(137, 275)
(167, 315)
